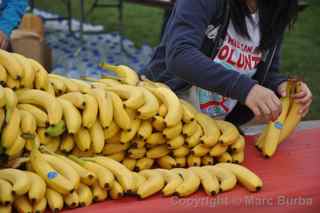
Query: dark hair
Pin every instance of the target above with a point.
(275, 17)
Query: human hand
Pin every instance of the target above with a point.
(3, 41)
(264, 103)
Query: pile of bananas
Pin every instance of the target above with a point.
(278, 131)
(56, 181)
(140, 123)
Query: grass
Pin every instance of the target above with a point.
(301, 50)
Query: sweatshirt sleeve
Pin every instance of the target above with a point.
(10, 14)
(184, 58)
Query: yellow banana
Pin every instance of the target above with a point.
(40, 206)
(139, 180)
(144, 163)
(190, 184)
(136, 153)
(218, 150)
(239, 145)
(229, 132)
(12, 66)
(53, 145)
(29, 142)
(181, 162)
(173, 132)
(176, 142)
(41, 78)
(37, 189)
(43, 99)
(200, 150)
(193, 160)
(18, 179)
(145, 130)
(29, 73)
(99, 194)
(121, 117)
(17, 148)
(150, 106)
(58, 86)
(71, 116)
(71, 200)
(83, 86)
(12, 84)
(55, 200)
(226, 178)
(83, 139)
(157, 151)
(158, 123)
(22, 204)
(209, 183)
(2, 117)
(261, 139)
(156, 139)
(76, 98)
(109, 82)
(172, 180)
(130, 163)
(181, 151)
(105, 106)
(162, 110)
(116, 191)
(138, 143)
(246, 177)
(210, 129)
(40, 116)
(128, 135)
(28, 124)
(189, 112)
(153, 184)
(190, 128)
(225, 158)
(50, 90)
(113, 148)
(90, 111)
(194, 139)
(238, 157)
(3, 98)
(122, 174)
(207, 160)
(67, 143)
(3, 75)
(70, 86)
(11, 102)
(118, 156)
(126, 75)
(6, 195)
(166, 162)
(63, 168)
(11, 130)
(111, 131)
(97, 137)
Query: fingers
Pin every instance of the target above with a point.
(265, 112)
(305, 108)
(300, 95)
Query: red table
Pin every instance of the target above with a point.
(291, 184)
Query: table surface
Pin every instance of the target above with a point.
(291, 184)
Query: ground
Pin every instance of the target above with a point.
(301, 52)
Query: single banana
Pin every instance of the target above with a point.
(209, 183)
(218, 150)
(113, 148)
(71, 200)
(181, 151)
(111, 131)
(181, 162)
(17, 148)
(40, 116)
(11, 101)
(246, 177)
(156, 139)
(128, 135)
(40, 206)
(99, 194)
(126, 75)
(189, 111)
(173, 132)
(6, 195)
(41, 78)
(194, 139)
(58, 86)
(158, 151)
(153, 184)
(200, 150)
(43, 99)
(238, 157)
(121, 117)
(150, 106)
(158, 123)
(83, 139)
(67, 143)
(118, 156)
(207, 160)
(116, 191)
(76, 98)
(11, 130)
(55, 200)
(166, 162)
(122, 174)
(163, 110)
(3, 75)
(90, 111)
(8, 61)
(71, 116)
(176, 142)
(97, 137)
(136, 153)
(139, 180)
(63, 168)
(226, 178)
(28, 124)
(193, 160)
(29, 73)
(105, 106)
(54, 144)
(18, 179)
(130, 163)
(229, 132)
(239, 145)
(144, 163)
(210, 129)
(261, 139)
(22, 204)
(145, 130)
(190, 184)
(37, 189)
(190, 128)
(225, 158)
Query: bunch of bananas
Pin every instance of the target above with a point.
(140, 123)
(56, 181)
(278, 131)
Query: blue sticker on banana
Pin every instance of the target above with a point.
(52, 175)
(278, 125)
